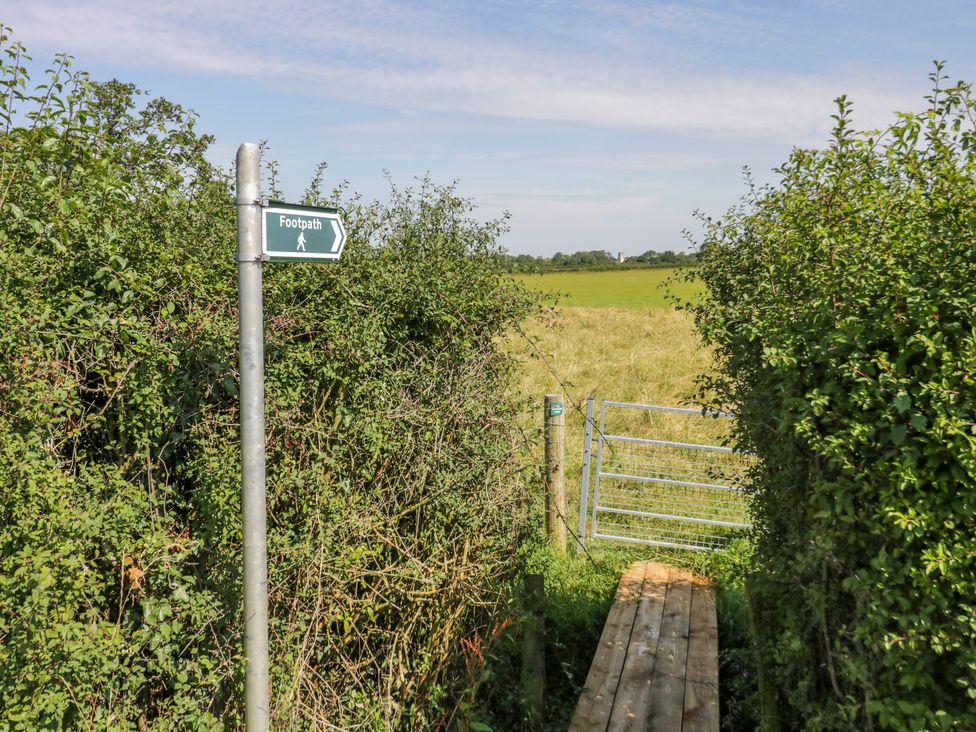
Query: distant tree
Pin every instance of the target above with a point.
(592, 258)
(667, 257)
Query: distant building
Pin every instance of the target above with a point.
(621, 258)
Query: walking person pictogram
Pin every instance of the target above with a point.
(301, 242)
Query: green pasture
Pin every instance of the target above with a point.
(633, 289)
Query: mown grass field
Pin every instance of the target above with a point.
(634, 289)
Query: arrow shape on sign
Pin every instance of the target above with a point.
(338, 235)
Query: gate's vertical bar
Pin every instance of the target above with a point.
(585, 484)
(555, 422)
(599, 467)
(257, 691)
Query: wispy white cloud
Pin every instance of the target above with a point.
(390, 55)
(703, 24)
(642, 162)
(595, 122)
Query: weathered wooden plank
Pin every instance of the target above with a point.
(702, 634)
(632, 703)
(701, 705)
(701, 713)
(668, 683)
(596, 701)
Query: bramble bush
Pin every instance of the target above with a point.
(841, 302)
(394, 499)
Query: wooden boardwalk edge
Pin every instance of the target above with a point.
(634, 691)
(600, 688)
(701, 706)
(656, 667)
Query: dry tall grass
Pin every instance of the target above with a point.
(650, 356)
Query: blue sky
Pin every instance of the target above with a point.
(597, 125)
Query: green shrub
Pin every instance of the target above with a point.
(841, 302)
(392, 507)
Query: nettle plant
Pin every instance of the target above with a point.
(841, 302)
(394, 493)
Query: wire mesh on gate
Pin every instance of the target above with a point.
(667, 492)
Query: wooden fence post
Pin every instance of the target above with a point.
(534, 650)
(555, 422)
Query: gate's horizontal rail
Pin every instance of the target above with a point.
(683, 519)
(669, 443)
(669, 481)
(665, 533)
(658, 408)
(656, 542)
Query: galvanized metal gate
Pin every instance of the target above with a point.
(658, 481)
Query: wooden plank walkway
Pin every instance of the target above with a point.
(657, 664)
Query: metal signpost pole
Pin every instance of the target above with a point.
(257, 690)
(266, 232)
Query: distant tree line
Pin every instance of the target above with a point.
(666, 258)
(594, 259)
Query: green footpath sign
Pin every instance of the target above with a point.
(555, 409)
(293, 233)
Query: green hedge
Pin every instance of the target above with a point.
(393, 508)
(842, 302)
